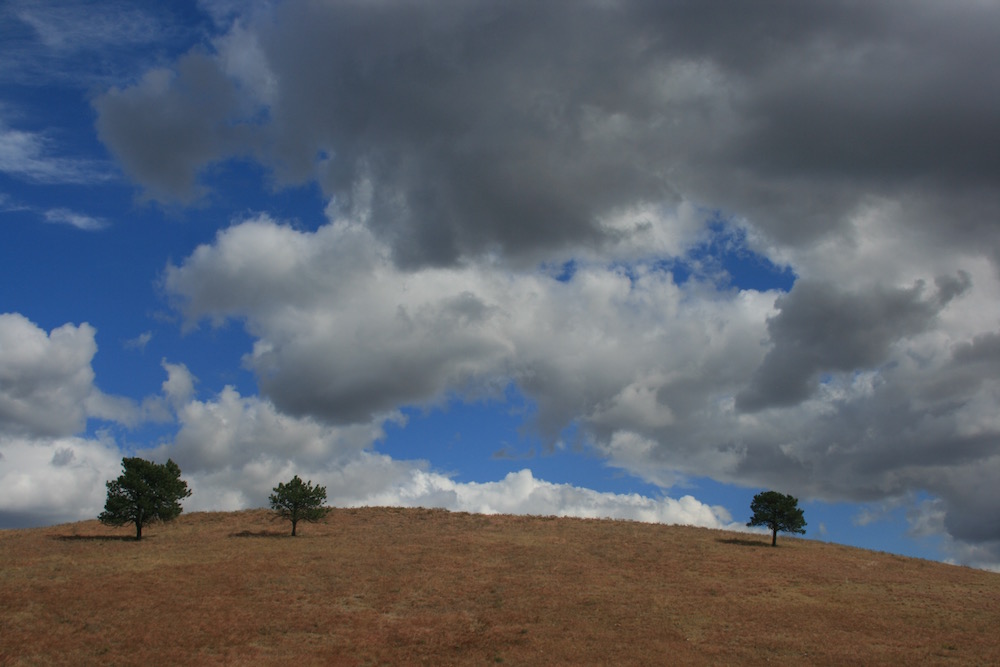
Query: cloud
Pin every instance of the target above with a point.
(47, 385)
(819, 329)
(139, 342)
(45, 378)
(28, 155)
(927, 520)
(78, 220)
(71, 27)
(371, 480)
(523, 129)
(46, 481)
(81, 43)
(233, 431)
(178, 133)
(521, 493)
(893, 388)
(178, 388)
(225, 12)
(65, 216)
(235, 449)
(344, 335)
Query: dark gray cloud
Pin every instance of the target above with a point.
(820, 329)
(890, 443)
(981, 349)
(179, 133)
(519, 127)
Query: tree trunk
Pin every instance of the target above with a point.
(293, 528)
(138, 531)
(774, 537)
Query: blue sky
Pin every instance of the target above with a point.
(615, 260)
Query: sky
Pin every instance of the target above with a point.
(604, 258)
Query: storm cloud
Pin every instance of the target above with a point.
(521, 127)
(819, 329)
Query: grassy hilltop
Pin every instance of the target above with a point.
(389, 586)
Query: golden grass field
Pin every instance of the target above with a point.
(385, 586)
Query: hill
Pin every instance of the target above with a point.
(393, 586)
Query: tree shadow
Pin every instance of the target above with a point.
(259, 533)
(95, 538)
(742, 542)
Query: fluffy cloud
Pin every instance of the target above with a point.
(233, 431)
(49, 472)
(234, 449)
(46, 380)
(370, 480)
(45, 481)
(521, 493)
(344, 335)
(889, 392)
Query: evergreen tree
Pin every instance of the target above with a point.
(145, 492)
(299, 501)
(778, 512)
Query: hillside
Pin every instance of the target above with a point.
(409, 586)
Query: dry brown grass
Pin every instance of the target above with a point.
(385, 586)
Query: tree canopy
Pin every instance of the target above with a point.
(145, 492)
(777, 511)
(299, 501)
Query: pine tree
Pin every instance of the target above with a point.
(299, 501)
(145, 492)
(777, 511)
